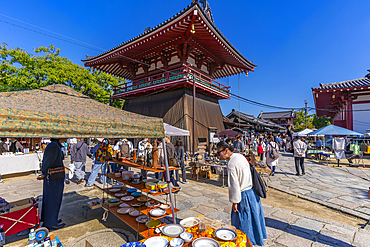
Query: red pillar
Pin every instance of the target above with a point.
(349, 114)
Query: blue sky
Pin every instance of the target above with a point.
(296, 44)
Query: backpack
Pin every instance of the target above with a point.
(13, 148)
(274, 154)
(125, 150)
(260, 149)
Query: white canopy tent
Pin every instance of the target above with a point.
(174, 131)
(304, 132)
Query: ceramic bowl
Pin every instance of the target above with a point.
(136, 194)
(177, 242)
(131, 190)
(133, 244)
(190, 222)
(187, 237)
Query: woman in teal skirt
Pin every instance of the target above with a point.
(247, 213)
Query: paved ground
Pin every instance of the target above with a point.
(285, 227)
(341, 188)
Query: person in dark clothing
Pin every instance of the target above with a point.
(79, 152)
(170, 148)
(179, 153)
(52, 189)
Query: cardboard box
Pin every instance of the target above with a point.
(21, 204)
(92, 205)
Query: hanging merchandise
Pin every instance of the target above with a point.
(363, 147)
(338, 145)
(367, 150)
(351, 147)
(356, 149)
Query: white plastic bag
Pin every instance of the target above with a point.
(71, 171)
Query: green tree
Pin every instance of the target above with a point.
(320, 122)
(21, 70)
(300, 122)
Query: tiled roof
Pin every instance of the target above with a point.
(345, 84)
(88, 58)
(252, 119)
(281, 114)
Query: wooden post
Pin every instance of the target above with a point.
(193, 114)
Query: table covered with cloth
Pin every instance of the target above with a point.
(20, 163)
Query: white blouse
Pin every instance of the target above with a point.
(239, 177)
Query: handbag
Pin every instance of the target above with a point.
(368, 150)
(363, 147)
(56, 173)
(258, 185)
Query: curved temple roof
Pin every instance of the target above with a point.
(206, 38)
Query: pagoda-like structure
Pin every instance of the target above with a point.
(173, 66)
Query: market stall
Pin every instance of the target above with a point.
(11, 163)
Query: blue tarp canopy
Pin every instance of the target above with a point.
(332, 130)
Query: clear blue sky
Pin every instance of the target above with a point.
(296, 44)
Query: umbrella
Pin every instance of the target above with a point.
(229, 133)
(174, 131)
(333, 130)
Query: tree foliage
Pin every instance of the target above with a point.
(312, 121)
(21, 70)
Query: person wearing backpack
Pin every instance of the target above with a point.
(247, 213)
(272, 154)
(261, 150)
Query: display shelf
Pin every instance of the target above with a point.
(142, 167)
(139, 186)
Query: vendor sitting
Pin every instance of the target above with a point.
(353, 156)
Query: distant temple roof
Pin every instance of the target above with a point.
(251, 119)
(345, 84)
(281, 114)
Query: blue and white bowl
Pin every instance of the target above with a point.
(187, 237)
(177, 242)
(133, 244)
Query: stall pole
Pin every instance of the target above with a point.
(168, 179)
(193, 115)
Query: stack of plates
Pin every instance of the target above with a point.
(135, 213)
(156, 242)
(225, 234)
(173, 230)
(124, 205)
(114, 190)
(205, 242)
(120, 194)
(127, 198)
(143, 219)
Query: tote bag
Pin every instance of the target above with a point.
(356, 149)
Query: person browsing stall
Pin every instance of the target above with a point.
(247, 213)
(79, 151)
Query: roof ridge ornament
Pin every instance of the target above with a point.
(206, 8)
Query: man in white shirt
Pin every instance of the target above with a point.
(247, 213)
(300, 148)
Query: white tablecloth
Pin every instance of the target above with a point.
(20, 163)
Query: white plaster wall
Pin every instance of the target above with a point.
(361, 119)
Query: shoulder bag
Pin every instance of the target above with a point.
(258, 185)
(55, 173)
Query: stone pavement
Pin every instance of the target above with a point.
(343, 189)
(284, 227)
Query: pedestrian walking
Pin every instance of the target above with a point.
(53, 184)
(284, 143)
(271, 150)
(300, 148)
(180, 153)
(247, 213)
(170, 148)
(238, 144)
(79, 152)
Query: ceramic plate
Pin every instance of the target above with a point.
(114, 190)
(205, 242)
(189, 222)
(133, 244)
(226, 234)
(165, 206)
(135, 213)
(124, 205)
(120, 194)
(173, 230)
(151, 204)
(113, 200)
(117, 186)
(127, 198)
(131, 190)
(156, 242)
(143, 219)
(136, 194)
(137, 204)
(124, 210)
(157, 212)
(152, 223)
